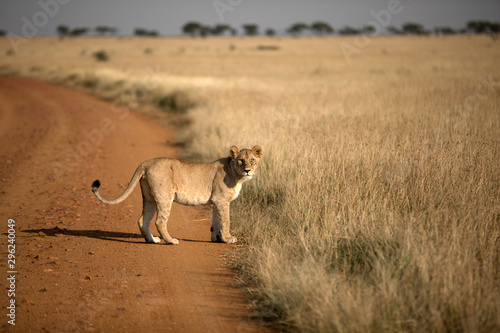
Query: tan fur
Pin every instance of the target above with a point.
(164, 180)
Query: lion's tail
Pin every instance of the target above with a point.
(133, 182)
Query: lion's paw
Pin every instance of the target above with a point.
(219, 239)
(231, 239)
(155, 240)
(173, 241)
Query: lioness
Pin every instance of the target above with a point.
(164, 180)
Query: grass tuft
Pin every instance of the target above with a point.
(175, 102)
(101, 55)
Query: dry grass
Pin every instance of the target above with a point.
(377, 206)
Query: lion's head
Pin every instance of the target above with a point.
(245, 161)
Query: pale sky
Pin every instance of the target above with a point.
(167, 17)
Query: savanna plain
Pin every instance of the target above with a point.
(376, 207)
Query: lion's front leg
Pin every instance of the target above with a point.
(220, 224)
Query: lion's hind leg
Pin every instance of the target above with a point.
(164, 199)
(148, 211)
(162, 219)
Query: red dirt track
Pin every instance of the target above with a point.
(82, 265)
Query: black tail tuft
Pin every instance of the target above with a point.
(95, 185)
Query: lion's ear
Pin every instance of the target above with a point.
(233, 152)
(257, 150)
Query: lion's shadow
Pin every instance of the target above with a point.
(123, 237)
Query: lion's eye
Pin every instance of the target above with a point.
(252, 161)
(240, 162)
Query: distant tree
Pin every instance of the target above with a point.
(192, 28)
(218, 29)
(484, 27)
(494, 30)
(444, 31)
(140, 32)
(297, 28)
(63, 31)
(495, 27)
(478, 27)
(414, 29)
(76, 32)
(103, 30)
(321, 28)
(368, 29)
(206, 30)
(393, 30)
(197, 29)
(3, 32)
(270, 32)
(221, 29)
(251, 29)
(347, 30)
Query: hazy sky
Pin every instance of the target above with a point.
(167, 17)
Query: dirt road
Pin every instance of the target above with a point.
(82, 265)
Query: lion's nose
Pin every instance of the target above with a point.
(248, 170)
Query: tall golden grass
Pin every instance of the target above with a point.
(377, 204)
